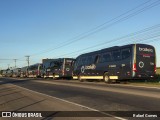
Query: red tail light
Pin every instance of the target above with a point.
(155, 68)
(134, 67)
(37, 72)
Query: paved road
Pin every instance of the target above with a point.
(96, 95)
(19, 100)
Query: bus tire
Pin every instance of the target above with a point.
(80, 79)
(106, 78)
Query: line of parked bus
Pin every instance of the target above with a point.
(49, 68)
(133, 61)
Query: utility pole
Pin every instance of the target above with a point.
(8, 66)
(28, 60)
(28, 64)
(15, 60)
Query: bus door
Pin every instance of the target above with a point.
(145, 61)
(105, 63)
(115, 65)
(125, 65)
(90, 65)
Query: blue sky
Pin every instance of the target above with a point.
(38, 27)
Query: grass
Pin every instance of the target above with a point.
(148, 84)
(152, 82)
(158, 70)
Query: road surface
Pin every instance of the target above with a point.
(94, 96)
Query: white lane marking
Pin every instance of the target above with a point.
(92, 109)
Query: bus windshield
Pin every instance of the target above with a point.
(69, 62)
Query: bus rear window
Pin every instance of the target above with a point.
(68, 62)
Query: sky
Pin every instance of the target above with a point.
(67, 28)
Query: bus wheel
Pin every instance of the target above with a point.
(80, 79)
(106, 78)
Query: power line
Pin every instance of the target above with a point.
(150, 29)
(146, 35)
(120, 18)
(10, 59)
(15, 62)
(27, 59)
(102, 27)
(6, 59)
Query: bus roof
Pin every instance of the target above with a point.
(111, 49)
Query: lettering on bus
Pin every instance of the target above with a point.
(92, 67)
(112, 66)
(141, 64)
(146, 49)
(67, 69)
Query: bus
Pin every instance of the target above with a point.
(9, 73)
(35, 71)
(133, 61)
(46, 68)
(60, 68)
(24, 72)
(16, 72)
(4, 73)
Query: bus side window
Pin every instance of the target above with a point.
(96, 60)
(84, 60)
(106, 57)
(89, 60)
(126, 53)
(78, 62)
(116, 55)
(81, 61)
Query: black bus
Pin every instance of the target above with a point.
(46, 68)
(16, 72)
(4, 73)
(9, 73)
(35, 70)
(24, 72)
(133, 61)
(59, 68)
